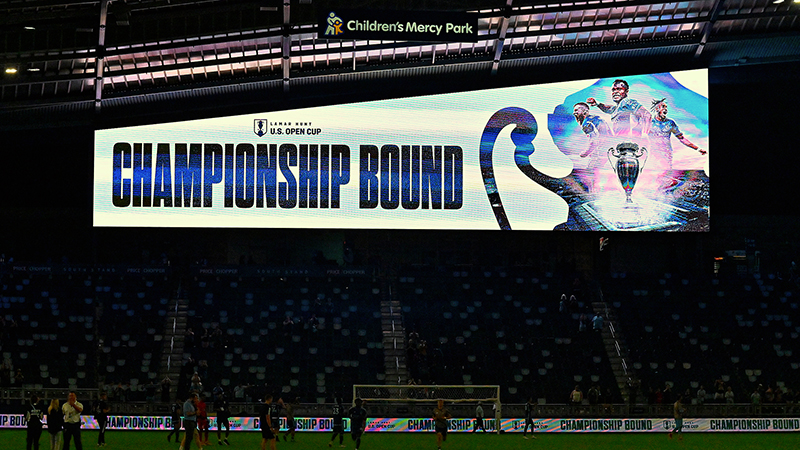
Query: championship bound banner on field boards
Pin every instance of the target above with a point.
(626, 153)
(155, 423)
(516, 425)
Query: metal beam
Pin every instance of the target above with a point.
(286, 45)
(708, 27)
(501, 37)
(99, 56)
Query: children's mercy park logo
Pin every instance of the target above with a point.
(334, 25)
(260, 127)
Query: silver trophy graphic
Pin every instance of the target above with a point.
(627, 160)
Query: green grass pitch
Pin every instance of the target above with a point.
(146, 440)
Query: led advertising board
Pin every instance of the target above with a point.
(626, 153)
(461, 425)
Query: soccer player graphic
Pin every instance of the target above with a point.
(596, 129)
(592, 190)
(628, 117)
(661, 130)
(599, 133)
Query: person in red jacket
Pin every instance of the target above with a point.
(202, 420)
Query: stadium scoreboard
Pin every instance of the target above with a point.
(627, 153)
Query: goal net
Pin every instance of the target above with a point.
(430, 394)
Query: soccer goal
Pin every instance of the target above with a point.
(432, 393)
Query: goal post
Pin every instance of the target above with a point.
(415, 393)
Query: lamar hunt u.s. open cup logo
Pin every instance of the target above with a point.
(334, 25)
(260, 127)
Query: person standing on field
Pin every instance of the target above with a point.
(175, 412)
(190, 423)
(441, 415)
(338, 423)
(358, 421)
(55, 425)
(268, 433)
(479, 419)
(678, 411)
(528, 419)
(33, 415)
(72, 421)
(101, 415)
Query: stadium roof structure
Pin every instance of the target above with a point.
(149, 58)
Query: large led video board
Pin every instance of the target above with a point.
(627, 153)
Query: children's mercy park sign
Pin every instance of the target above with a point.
(428, 26)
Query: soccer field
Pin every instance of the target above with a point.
(143, 440)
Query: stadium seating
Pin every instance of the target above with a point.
(493, 325)
(502, 326)
(78, 329)
(693, 331)
(256, 348)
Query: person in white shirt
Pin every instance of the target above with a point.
(72, 421)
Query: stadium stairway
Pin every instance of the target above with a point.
(174, 339)
(394, 338)
(617, 350)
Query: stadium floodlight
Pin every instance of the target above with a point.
(415, 393)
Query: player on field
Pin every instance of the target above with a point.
(338, 423)
(275, 412)
(291, 426)
(223, 410)
(479, 419)
(101, 411)
(175, 412)
(33, 417)
(358, 421)
(679, 411)
(528, 419)
(202, 420)
(440, 417)
(267, 432)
